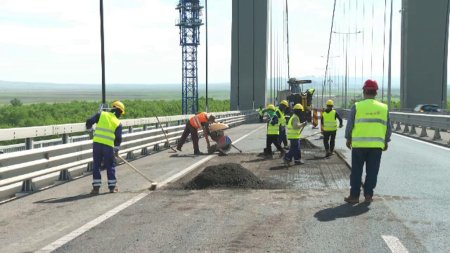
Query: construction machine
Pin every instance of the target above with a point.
(297, 94)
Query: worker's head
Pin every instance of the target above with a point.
(270, 107)
(370, 88)
(211, 119)
(298, 108)
(283, 104)
(118, 108)
(330, 103)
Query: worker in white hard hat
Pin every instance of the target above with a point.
(107, 140)
(329, 127)
(294, 133)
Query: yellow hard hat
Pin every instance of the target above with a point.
(298, 107)
(118, 104)
(270, 107)
(284, 102)
(330, 102)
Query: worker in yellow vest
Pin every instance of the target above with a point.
(273, 131)
(261, 114)
(368, 132)
(294, 133)
(281, 111)
(107, 140)
(329, 126)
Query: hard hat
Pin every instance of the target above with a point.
(118, 104)
(370, 85)
(298, 107)
(330, 102)
(285, 102)
(270, 107)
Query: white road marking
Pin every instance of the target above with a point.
(422, 141)
(83, 229)
(394, 244)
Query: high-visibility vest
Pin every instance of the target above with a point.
(106, 128)
(370, 126)
(292, 133)
(261, 112)
(273, 129)
(329, 120)
(197, 120)
(282, 119)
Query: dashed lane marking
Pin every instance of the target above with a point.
(394, 244)
(83, 229)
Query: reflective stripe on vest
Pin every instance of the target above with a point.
(329, 121)
(273, 129)
(197, 120)
(282, 119)
(292, 133)
(106, 128)
(370, 126)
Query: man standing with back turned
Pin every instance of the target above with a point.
(107, 139)
(368, 132)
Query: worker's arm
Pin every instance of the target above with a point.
(340, 119)
(93, 120)
(388, 133)
(118, 134)
(349, 127)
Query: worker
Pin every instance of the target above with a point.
(273, 131)
(199, 121)
(281, 112)
(329, 127)
(294, 133)
(107, 140)
(261, 114)
(368, 132)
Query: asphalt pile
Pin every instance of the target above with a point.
(227, 175)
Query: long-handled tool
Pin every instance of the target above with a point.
(164, 132)
(311, 135)
(240, 151)
(153, 183)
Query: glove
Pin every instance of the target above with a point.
(340, 126)
(116, 151)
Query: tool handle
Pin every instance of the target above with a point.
(240, 151)
(135, 169)
(164, 132)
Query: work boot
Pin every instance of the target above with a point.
(179, 148)
(113, 189)
(95, 190)
(198, 153)
(282, 153)
(286, 162)
(368, 198)
(351, 200)
(299, 162)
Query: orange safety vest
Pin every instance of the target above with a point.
(197, 120)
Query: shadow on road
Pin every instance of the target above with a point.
(67, 199)
(342, 211)
(280, 167)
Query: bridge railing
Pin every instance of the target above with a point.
(28, 170)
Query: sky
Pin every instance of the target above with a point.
(58, 41)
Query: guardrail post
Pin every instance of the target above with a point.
(437, 135)
(144, 151)
(406, 129)
(424, 133)
(64, 175)
(144, 128)
(89, 167)
(156, 147)
(28, 186)
(130, 156)
(413, 130)
(28, 143)
(65, 138)
(130, 129)
(398, 128)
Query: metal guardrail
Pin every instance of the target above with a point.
(24, 166)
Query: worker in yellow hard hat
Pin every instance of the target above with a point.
(329, 126)
(282, 110)
(273, 131)
(294, 133)
(107, 140)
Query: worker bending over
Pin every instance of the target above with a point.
(273, 132)
(107, 139)
(329, 126)
(294, 133)
(199, 121)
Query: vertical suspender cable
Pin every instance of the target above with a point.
(102, 44)
(371, 42)
(238, 53)
(445, 59)
(390, 59)
(384, 49)
(206, 53)
(328, 53)
(363, 41)
(253, 55)
(271, 54)
(287, 39)
(355, 49)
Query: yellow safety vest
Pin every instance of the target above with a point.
(106, 128)
(329, 121)
(282, 119)
(273, 129)
(370, 126)
(292, 133)
(261, 112)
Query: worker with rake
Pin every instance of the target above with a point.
(294, 133)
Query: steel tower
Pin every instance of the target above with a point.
(189, 24)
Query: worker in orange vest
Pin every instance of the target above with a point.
(199, 121)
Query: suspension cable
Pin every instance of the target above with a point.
(371, 47)
(384, 49)
(329, 44)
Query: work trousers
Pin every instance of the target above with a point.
(260, 118)
(282, 136)
(328, 140)
(272, 139)
(103, 153)
(371, 157)
(189, 129)
(294, 151)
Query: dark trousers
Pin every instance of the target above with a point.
(260, 118)
(294, 151)
(329, 137)
(194, 136)
(283, 137)
(272, 139)
(371, 157)
(103, 153)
